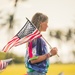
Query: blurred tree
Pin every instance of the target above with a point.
(16, 59)
(58, 34)
(52, 33)
(74, 31)
(69, 35)
(16, 1)
(73, 52)
(62, 37)
(10, 20)
(2, 55)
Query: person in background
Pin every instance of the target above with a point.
(3, 65)
(37, 56)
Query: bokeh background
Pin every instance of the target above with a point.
(60, 32)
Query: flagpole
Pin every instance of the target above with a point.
(49, 44)
(42, 36)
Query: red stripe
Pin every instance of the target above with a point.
(1, 64)
(36, 37)
(35, 34)
(27, 39)
(13, 39)
(30, 50)
(32, 35)
(35, 31)
(10, 44)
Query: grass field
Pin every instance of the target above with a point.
(54, 69)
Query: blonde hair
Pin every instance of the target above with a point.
(38, 18)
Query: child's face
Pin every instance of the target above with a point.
(44, 25)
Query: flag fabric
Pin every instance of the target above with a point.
(27, 33)
(8, 60)
(4, 63)
(10, 44)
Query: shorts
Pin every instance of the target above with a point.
(36, 73)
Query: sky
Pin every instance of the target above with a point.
(61, 14)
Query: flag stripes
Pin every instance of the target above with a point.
(28, 38)
(1, 65)
(27, 33)
(4, 63)
(10, 44)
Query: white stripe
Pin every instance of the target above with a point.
(2, 64)
(35, 37)
(23, 40)
(9, 45)
(26, 40)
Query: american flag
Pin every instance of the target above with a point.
(4, 63)
(27, 33)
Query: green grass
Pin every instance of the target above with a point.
(67, 69)
(54, 69)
